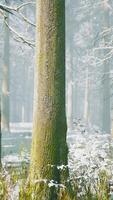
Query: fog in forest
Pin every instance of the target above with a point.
(88, 85)
(88, 63)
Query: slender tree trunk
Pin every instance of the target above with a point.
(69, 105)
(49, 148)
(86, 99)
(71, 72)
(70, 89)
(5, 78)
(106, 101)
(73, 85)
(106, 81)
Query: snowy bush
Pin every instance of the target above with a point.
(90, 154)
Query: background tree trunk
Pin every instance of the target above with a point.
(5, 78)
(106, 119)
(86, 98)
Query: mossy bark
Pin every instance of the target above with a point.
(49, 148)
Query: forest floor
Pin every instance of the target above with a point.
(90, 158)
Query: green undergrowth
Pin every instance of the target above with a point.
(17, 179)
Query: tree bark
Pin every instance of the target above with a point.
(49, 148)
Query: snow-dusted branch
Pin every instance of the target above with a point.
(21, 37)
(27, 20)
(103, 48)
(18, 10)
(107, 57)
(13, 10)
(88, 6)
(10, 8)
(24, 4)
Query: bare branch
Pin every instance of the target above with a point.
(27, 20)
(17, 9)
(103, 48)
(5, 8)
(21, 37)
(9, 8)
(24, 4)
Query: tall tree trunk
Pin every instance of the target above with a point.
(5, 78)
(49, 148)
(106, 100)
(70, 88)
(71, 69)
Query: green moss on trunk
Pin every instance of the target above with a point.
(49, 148)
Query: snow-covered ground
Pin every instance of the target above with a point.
(20, 127)
(90, 152)
(15, 143)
